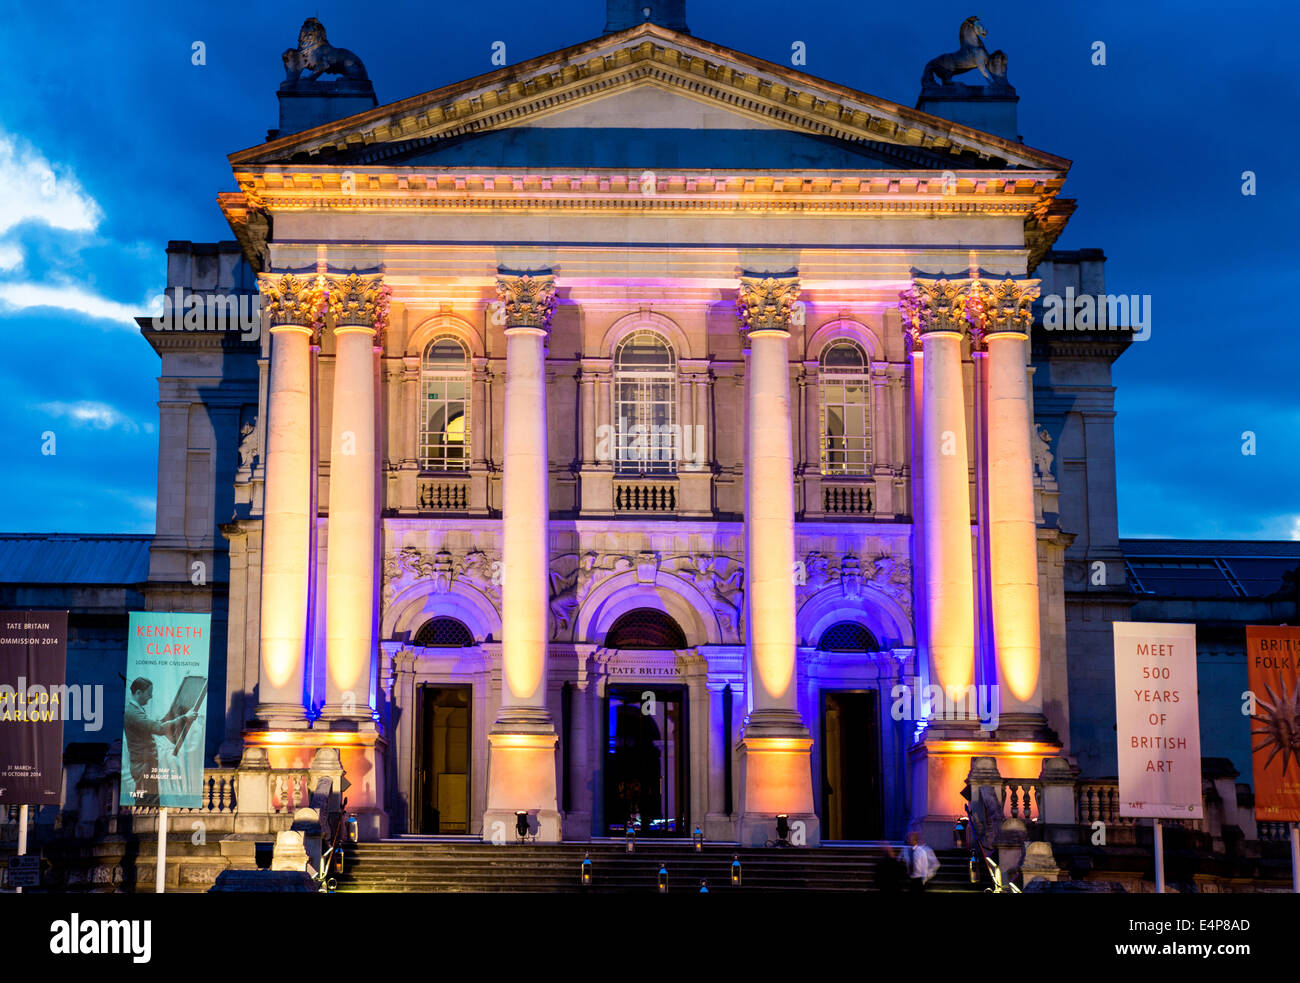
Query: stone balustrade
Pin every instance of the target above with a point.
(645, 496)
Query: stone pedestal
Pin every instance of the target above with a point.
(290, 853)
(990, 108)
(305, 104)
(1039, 864)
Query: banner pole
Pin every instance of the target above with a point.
(160, 881)
(1295, 858)
(22, 836)
(1160, 858)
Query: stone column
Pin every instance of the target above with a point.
(775, 743)
(1012, 532)
(717, 823)
(694, 475)
(587, 413)
(480, 449)
(404, 441)
(293, 306)
(356, 303)
(934, 319)
(946, 485)
(704, 433)
(597, 472)
(811, 465)
(521, 756)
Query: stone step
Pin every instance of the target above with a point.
(418, 865)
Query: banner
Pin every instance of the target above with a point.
(1273, 662)
(163, 724)
(1157, 720)
(34, 702)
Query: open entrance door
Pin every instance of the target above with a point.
(444, 728)
(646, 781)
(852, 807)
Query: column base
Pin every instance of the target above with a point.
(279, 716)
(522, 777)
(1025, 727)
(719, 828)
(576, 826)
(347, 717)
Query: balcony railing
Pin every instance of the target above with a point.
(645, 496)
(444, 494)
(843, 498)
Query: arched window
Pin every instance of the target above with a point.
(444, 406)
(845, 398)
(847, 636)
(443, 633)
(645, 628)
(645, 405)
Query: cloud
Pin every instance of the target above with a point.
(68, 297)
(34, 190)
(100, 416)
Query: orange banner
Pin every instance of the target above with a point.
(1273, 658)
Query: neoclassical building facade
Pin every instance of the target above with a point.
(641, 434)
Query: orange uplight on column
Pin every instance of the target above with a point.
(775, 742)
(771, 519)
(1013, 540)
(524, 513)
(950, 600)
(522, 740)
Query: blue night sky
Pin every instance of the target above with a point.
(112, 143)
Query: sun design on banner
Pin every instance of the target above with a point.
(1280, 728)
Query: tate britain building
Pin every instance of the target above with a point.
(647, 434)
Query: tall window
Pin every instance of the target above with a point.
(845, 396)
(646, 436)
(444, 406)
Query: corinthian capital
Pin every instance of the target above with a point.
(765, 302)
(938, 305)
(1007, 305)
(292, 300)
(527, 299)
(357, 300)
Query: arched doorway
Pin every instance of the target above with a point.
(444, 729)
(852, 799)
(645, 740)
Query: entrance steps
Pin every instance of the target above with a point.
(436, 864)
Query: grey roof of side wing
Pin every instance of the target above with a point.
(71, 558)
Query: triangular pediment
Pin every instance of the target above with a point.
(648, 97)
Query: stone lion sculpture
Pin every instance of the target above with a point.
(971, 55)
(316, 55)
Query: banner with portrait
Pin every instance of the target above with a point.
(163, 726)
